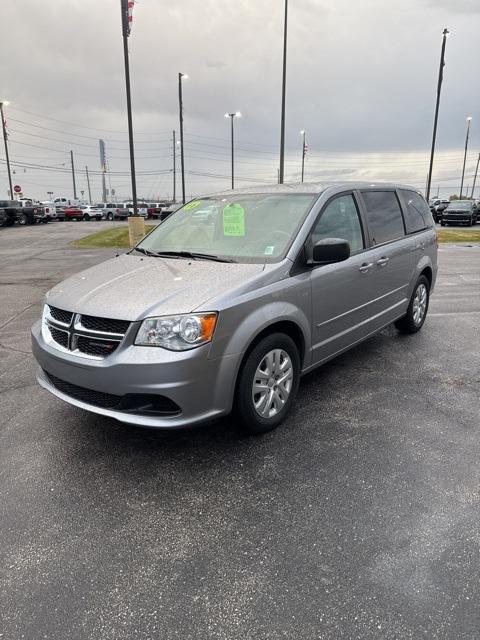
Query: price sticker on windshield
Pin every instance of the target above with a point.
(233, 220)
(192, 205)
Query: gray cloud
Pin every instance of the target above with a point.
(361, 81)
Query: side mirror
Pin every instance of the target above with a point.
(330, 250)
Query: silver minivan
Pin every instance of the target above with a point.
(205, 316)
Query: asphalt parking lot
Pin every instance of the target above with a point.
(359, 518)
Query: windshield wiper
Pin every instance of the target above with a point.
(193, 255)
(144, 251)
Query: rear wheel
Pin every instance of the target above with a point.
(24, 219)
(109, 216)
(417, 310)
(268, 383)
(86, 217)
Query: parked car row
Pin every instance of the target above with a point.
(29, 212)
(466, 212)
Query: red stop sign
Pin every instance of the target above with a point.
(17, 188)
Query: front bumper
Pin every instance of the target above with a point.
(456, 218)
(202, 387)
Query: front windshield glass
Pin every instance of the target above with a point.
(460, 204)
(243, 228)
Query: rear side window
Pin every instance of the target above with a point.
(417, 212)
(384, 217)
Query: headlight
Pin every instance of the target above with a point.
(177, 333)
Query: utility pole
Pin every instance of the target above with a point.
(475, 176)
(88, 183)
(5, 138)
(303, 133)
(73, 176)
(174, 167)
(435, 120)
(469, 120)
(125, 34)
(284, 88)
(180, 109)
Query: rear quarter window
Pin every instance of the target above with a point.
(417, 212)
(384, 216)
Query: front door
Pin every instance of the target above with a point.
(342, 293)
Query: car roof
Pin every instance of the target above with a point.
(313, 188)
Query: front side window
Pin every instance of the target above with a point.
(340, 219)
(384, 216)
(243, 228)
(417, 212)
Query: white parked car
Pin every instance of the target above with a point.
(91, 213)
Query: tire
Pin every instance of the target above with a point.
(86, 217)
(442, 224)
(24, 219)
(411, 322)
(283, 356)
(109, 216)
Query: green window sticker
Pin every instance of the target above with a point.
(269, 250)
(192, 205)
(233, 220)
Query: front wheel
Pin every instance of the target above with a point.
(268, 383)
(23, 219)
(417, 310)
(109, 216)
(86, 217)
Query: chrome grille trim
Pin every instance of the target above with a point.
(76, 330)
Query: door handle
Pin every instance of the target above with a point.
(382, 261)
(366, 266)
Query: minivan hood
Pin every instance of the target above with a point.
(132, 288)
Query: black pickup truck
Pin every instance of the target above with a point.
(14, 212)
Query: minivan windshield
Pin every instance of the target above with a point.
(242, 228)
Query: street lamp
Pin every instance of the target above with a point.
(237, 114)
(284, 90)
(469, 120)
(5, 103)
(446, 33)
(181, 76)
(303, 133)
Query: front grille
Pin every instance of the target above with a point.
(61, 337)
(140, 404)
(95, 398)
(108, 325)
(89, 335)
(95, 347)
(59, 314)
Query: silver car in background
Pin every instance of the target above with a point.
(213, 314)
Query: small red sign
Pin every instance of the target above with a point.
(17, 188)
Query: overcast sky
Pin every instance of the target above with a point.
(361, 80)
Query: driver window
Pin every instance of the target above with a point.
(340, 220)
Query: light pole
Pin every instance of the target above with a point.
(469, 120)
(237, 114)
(475, 176)
(303, 134)
(446, 33)
(7, 158)
(181, 76)
(284, 89)
(125, 34)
